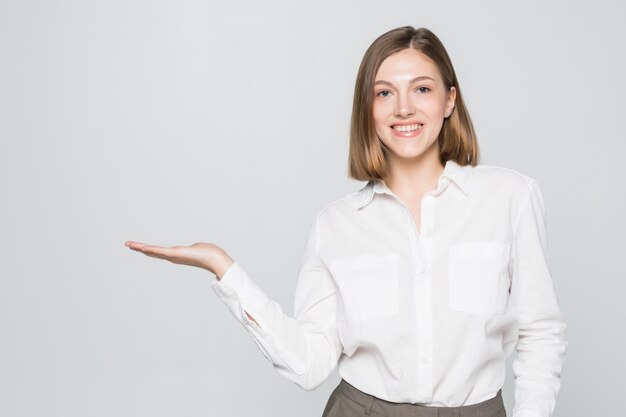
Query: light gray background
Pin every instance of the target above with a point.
(173, 122)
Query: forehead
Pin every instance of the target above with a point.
(407, 63)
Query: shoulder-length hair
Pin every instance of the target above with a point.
(457, 139)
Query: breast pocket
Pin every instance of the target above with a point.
(368, 286)
(478, 278)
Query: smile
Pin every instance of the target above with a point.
(406, 128)
(407, 131)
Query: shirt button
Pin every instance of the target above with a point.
(425, 361)
(429, 231)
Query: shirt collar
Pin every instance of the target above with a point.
(451, 172)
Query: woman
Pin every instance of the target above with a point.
(419, 285)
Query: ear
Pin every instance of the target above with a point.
(450, 101)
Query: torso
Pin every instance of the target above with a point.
(416, 214)
(413, 202)
(415, 208)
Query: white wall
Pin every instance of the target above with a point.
(173, 122)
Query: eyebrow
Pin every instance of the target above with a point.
(414, 80)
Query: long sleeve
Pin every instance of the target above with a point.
(541, 345)
(304, 348)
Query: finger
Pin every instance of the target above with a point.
(153, 251)
(156, 255)
(138, 246)
(157, 250)
(171, 254)
(134, 245)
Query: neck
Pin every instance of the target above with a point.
(415, 177)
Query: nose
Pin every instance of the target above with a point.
(404, 106)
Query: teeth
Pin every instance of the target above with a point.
(407, 128)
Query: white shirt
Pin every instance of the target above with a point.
(428, 317)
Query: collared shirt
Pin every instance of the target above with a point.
(425, 316)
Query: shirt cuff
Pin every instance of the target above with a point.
(241, 295)
(231, 282)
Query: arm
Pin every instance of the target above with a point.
(303, 348)
(223, 265)
(541, 344)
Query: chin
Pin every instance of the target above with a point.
(407, 156)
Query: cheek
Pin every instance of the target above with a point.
(434, 108)
(380, 116)
(440, 108)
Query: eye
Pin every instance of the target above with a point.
(422, 89)
(383, 93)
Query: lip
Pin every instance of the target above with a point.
(411, 134)
(413, 122)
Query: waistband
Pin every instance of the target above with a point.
(370, 403)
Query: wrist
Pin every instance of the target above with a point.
(222, 264)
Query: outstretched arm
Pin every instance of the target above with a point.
(202, 255)
(304, 348)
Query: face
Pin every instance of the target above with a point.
(410, 104)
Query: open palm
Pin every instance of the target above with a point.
(201, 255)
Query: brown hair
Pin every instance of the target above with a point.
(457, 140)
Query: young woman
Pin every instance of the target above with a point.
(419, 285)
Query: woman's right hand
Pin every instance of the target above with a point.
(201, 255)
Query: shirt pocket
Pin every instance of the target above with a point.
(368, 286)
(478, 277)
